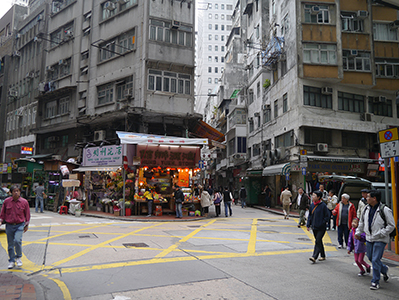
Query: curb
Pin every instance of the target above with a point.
(141, 220)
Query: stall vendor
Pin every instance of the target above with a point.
(150, 200)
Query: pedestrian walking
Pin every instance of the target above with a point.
(358, 247)
(217, 198)
(362, 203)
(205, 201)
(345, 212)
(16, 214)
(39, 191)
(318, 217)
(268, 195)
(332, 201)
(377, 222)
(179, 199)
(302, 201)
(324, 192)
(286, 200)
(243, 197)
(227, 198)
(150, 200)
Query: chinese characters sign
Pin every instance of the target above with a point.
(165, 156)
(103, 156)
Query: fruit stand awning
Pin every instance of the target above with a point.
(143, 138)
(97, 168)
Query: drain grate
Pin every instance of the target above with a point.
(135, 245)
(84, 236)
(194, 226)
(304, 239)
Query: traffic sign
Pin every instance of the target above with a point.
(287, 176)
(304, 152)
(303, 171)
(389, 149)
(388, 135)
(201, 164)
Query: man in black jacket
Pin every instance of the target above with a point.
(302, 202)
(243, 196)
(179, 199)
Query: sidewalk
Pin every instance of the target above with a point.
(16, 287)
(388, 254)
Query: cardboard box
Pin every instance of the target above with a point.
(117, 212)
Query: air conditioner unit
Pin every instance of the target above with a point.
(110, 6)
(68, 33)
(266, 106)
(278, 153)
(315, 10)
(382, 99)
(175, 24)
(128, 93)
(326, 90)
(31, 74)
(99, 135)
(17, 53)
(353, 53)
(53, 139)
(362, 14)
(321, 147)
(238, 156)
(19, 112)
(365, 117)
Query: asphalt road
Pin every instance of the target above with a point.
(252, 255)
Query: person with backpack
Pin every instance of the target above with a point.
(217, 198)
(378, 223)
(227, 198)
(243, 196)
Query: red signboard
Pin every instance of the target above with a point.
(168, 156)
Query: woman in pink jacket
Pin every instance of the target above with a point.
(345, 212)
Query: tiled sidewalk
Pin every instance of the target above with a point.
(13, 287)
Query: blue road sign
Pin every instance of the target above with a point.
(303, 171)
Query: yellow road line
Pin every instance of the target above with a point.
(64, 289)
(100, 245)
(252, 238)
(186, 238)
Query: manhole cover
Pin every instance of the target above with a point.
(135, 245)
(194, 226)
(304, 239)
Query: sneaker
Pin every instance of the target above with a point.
(299, 226)
(368, 270)
(312, 259)
(374, 286)
(361, 273)
(340, 247)
(19, 262)
(322, 258)
(11, 265)
(148, 216)
(386, 276)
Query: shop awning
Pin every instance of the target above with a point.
(204, 130)
(341, 159)
(97, 168)
(143, 138)
(275, 170)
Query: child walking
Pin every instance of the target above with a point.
(358, 247)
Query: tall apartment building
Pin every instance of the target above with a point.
(214, 26)
(87, 69)
(324, 81)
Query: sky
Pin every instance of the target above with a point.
(4, 7)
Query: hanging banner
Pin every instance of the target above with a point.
(103, 156)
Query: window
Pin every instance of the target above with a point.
(384, 32)
(216, 59)
(222, 27)
(64, 140)
(285, 103)
(169, 82)
(222, 6)
(351, 23)
(231, 149)
(387, 67)
(209, 58)
(65, 67)
(105, 93)
(285, 140)
(216, 26)
(267, 114)
(353, 139)
(210, 5)
(229, 7)
(350, 102)
(380, 107)
(63, 107)
(161, 31)
(228, 17)
(285, 25)
(250, 96)
(216, 37)
(217, 16)
(216, 70)
(124, 88)
(216, 80)
(109, 9)
(320, 54)
(222, 48)
(210, 26)
(222, 38)
(209, 80)
(107, 50)
(275, 108)
(209, 47)
(229, 27)
(216, 6)
(311, 15)
(55, 108)
(209, 69)
(314, 135)
(216, 48)
(209, 16)
(258, 89)
(354, 60)
(312, 96)
(209, 37)
(255, 150)
(126, 41)
(251, 124)
(56, 38)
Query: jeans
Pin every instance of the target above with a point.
(37, 200)
(243, 202)
(227, 204)
(302, 217)
(318, 247)
(14, 240)
(375, 251)
(149, 206)
(343, 230)
(178, 209)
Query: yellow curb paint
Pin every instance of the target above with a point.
(185, 239)
(252, 239)
(64, 289)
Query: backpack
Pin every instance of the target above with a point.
(382, 214)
